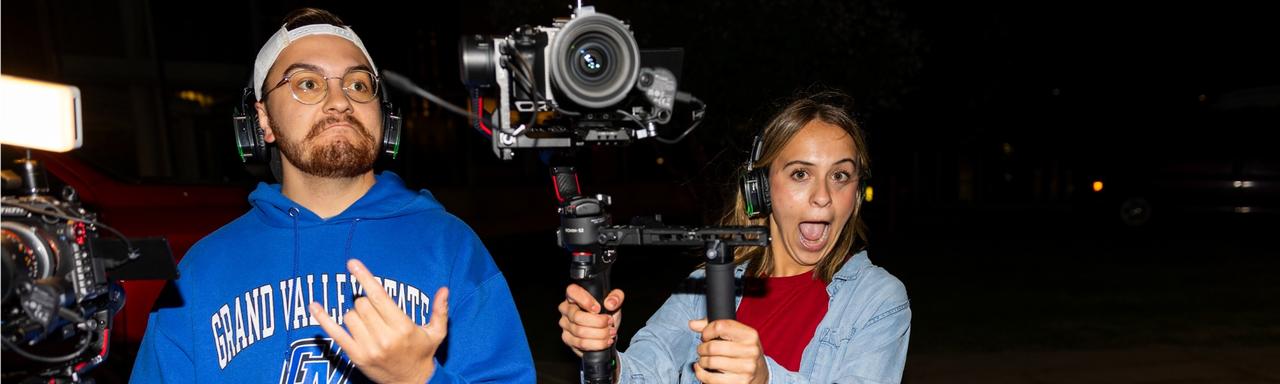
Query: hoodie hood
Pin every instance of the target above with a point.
(386, 199)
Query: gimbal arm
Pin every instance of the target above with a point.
(585, 231)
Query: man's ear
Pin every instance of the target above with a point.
(264, 122)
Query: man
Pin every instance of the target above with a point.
(266, 297)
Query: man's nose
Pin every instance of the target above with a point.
(336, 101)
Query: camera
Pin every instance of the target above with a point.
(56, 293)
(584, 80)
(581, 80)
(59, 289)
(59, 294)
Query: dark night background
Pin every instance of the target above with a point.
(988, 122)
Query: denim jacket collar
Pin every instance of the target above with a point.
(848, 272)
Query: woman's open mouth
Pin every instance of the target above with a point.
(813, 235)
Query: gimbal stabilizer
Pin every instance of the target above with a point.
(586, 231)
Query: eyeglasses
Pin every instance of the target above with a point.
(311, 88)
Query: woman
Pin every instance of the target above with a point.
(815, 308)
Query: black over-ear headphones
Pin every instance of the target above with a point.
(755, 183)
(253, 147)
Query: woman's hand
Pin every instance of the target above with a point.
(730, 353)
(384, 343)
(584, 327)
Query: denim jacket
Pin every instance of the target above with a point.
(862, 339)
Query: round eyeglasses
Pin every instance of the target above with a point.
(310, 87)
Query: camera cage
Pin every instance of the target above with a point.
(532, 75)
(57, 315)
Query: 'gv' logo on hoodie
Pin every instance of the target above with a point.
(316, 361)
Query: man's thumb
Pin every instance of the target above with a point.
(438, 327)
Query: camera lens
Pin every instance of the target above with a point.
(24, 245)
(590, 58)
(476, 54)
(594, 61)
(591, 61)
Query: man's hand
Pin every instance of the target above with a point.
(583, 327)
(730, 353)
(384, 343)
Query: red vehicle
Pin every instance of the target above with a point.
(182, 214)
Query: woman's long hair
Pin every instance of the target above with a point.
(828, 107)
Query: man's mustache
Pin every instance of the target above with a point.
(319, 126)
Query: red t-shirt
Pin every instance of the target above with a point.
(785, 312)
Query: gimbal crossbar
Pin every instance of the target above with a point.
(585, 232)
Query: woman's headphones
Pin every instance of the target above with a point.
(253, 147)
(755, 182)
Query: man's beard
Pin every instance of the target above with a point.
(337, 159)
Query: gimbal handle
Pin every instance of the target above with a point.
(585, 231)
(580, 218)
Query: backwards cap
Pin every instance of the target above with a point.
(282, 38)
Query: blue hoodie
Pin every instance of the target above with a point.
(238, 314)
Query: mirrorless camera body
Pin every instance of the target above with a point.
(57, 300)
(580, 80)
(60, 289)
(49, 265)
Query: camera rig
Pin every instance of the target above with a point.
(582, 80)
(587, 233)
(59, 295)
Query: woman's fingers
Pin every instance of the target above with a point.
(578, 295)
(592, 320)
(727, 364)
(614, 300)
(725, 329)
(725, 348)
(588, 332)
(584, 327)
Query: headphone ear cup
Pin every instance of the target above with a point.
(755, 183)
(766, 199)
(755, 193)
(391, 124)
(250, 141)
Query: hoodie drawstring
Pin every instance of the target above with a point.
(297, 239)
(297, 254)
(346, 252)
